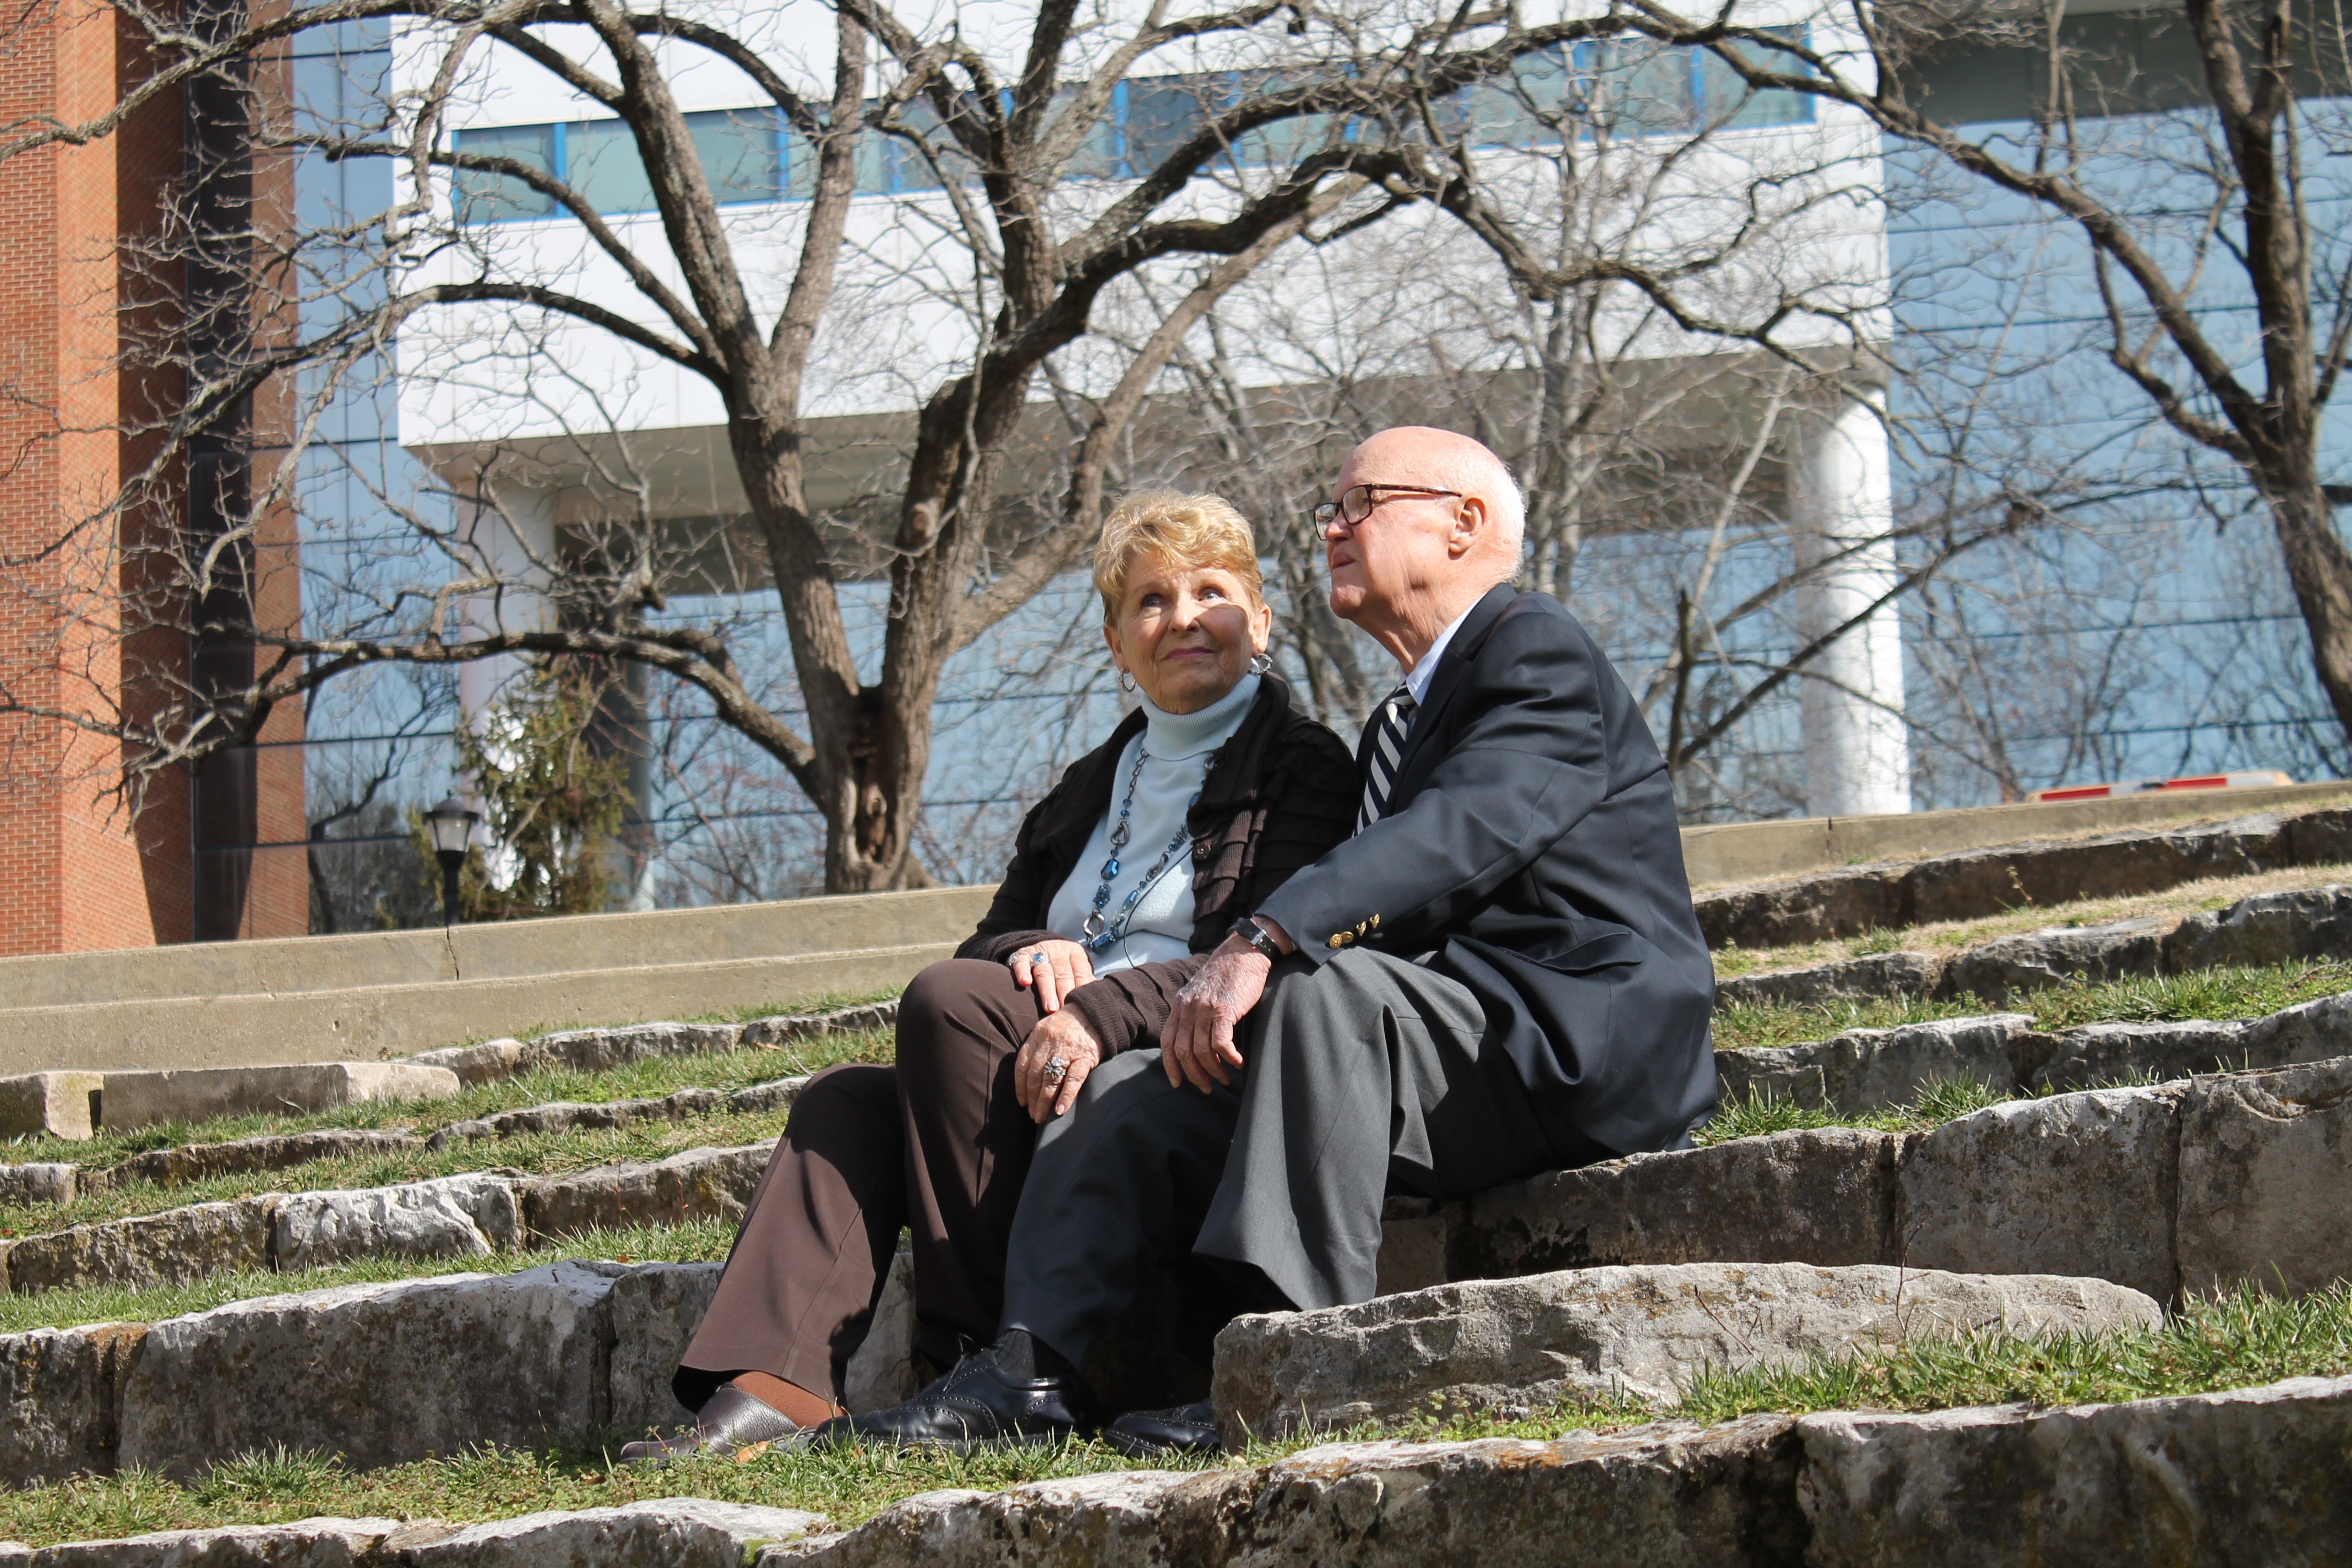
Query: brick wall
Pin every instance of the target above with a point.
(76, 870)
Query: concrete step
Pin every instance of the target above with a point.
(379, 994)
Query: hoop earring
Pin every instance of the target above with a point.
(1260, 663)
(1126, 682)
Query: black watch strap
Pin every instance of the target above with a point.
(1250, 931)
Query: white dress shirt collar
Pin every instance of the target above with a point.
(1426, 670)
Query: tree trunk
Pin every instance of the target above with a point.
(2320, 567)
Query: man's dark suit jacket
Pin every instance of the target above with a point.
(1530, 845)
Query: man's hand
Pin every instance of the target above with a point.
(1067, 966)
(1063, 1035)
(1197, 1046)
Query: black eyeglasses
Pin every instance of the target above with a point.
(1356, 502)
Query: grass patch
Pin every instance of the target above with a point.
(700, 1241)
(2241, 1339)
(2234, 993)
(1762, 1112)
(848, 1486)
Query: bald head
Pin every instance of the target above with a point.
(1419, 557)
(1447, 461)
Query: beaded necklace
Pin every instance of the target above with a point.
(1099, 933)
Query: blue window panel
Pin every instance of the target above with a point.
(601, 162)
(485, 197)
(1726, 100)
(1161, 115)
(739, 153)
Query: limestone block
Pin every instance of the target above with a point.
(271, 1151)
(1873, 1069)
(602, 1050)
(776, 1094)
(1644, 1331)
(698, 1183)
(1667, 1496)
(653, 1310)
(490, 1061)
(57, 1400)
(881, 1371)
(2098, 1055)
(2320, 837)
(1841, 903)
(49, 1105)
(177, 1247)
(567, 1115)
(1818, 1196)
(2079, 1184)
(676, 1532)
(199, 1094)
(42, 1181)
(382, 1374)
(782, 1028)
(306, 1544)
(1792, 1073)
(2034, 961)
(2313, 1032)
(451, 1216)
(2268, 928)
(1847, 979)
(2249, 1476)
(2266, 1179)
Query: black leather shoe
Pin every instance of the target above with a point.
(978, 1405)
(1187, 1431)
(728, 1420)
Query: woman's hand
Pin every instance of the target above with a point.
(1061, 1036)
(1066, 967)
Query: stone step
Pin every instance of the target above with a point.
(1864, 1070)
(74, 1105)
(685, 1532)
(1507, 1345)
(2195, 1185)
(2265, 929)
(470, 1216)
(1974, 884)
(61, 1183)
(2208, 1479)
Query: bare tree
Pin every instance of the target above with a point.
(1019, 200)
(2175, 215)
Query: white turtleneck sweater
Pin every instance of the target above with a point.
(1161, 927)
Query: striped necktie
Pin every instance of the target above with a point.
(1388, 726)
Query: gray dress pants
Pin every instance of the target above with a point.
(1365, 1072)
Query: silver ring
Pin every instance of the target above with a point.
(1056, 1069)
(1036, 960)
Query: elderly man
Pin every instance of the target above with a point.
(1499, 973)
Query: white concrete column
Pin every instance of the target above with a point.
(504, 542)
(1857, 755)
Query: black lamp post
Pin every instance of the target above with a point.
(451, 824)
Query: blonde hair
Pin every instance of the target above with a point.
(1192, 530)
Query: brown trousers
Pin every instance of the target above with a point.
(937, 1144)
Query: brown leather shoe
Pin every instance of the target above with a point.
(730, 1420)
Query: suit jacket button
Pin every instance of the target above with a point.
(1340, 939)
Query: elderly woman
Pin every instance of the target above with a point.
(1200, 804)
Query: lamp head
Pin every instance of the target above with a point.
(451, 822)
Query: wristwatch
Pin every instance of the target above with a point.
(1250, 931)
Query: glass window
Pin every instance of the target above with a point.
(1727, 100)
(485, 197)
(1637, 87)
(737, 148)
(1162, 113)
(601, 162)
